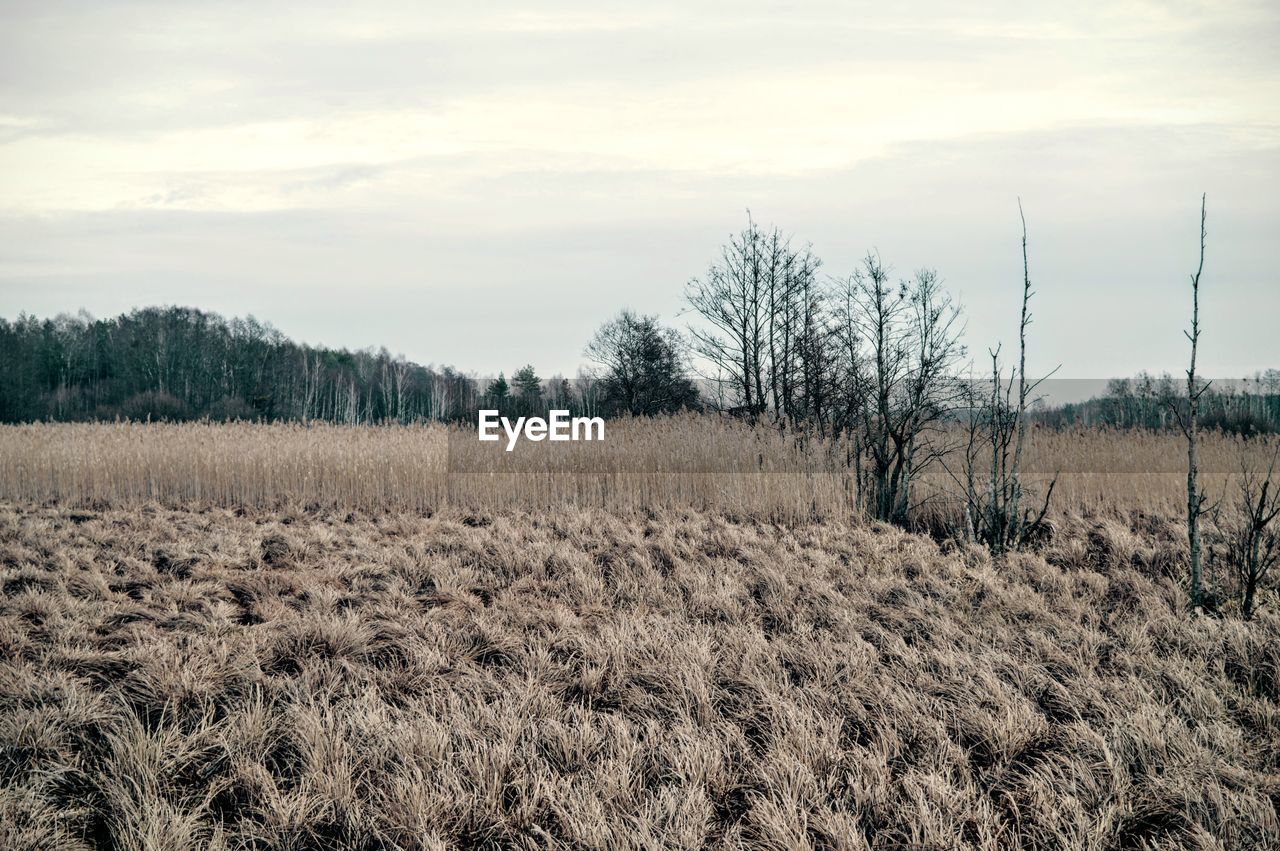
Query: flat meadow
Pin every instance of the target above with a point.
(320, 637)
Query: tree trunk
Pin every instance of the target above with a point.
(1194, 499)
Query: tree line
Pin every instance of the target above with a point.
(1246, 406)
(865, 359)
(179, 363)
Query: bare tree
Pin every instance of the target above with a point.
(1250, 537)
(997, 423)
(995, 515)
(851, 388)
(753, 303)
(731, 299)
(1190, 425)
(901, 387)
(1015, 474)
(869, 362)
(400, 372)
(589, 391)
(813, 390)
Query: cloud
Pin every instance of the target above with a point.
(526, 170)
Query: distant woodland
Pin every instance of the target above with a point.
(1240, 406)
(177, 363)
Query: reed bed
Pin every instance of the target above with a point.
(702, 463)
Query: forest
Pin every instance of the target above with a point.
(180, 363)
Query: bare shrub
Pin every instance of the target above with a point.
(1247, 533)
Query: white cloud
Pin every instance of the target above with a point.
(516, 148)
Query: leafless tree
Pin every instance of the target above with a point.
(1190, 425)
(902, 343)
(732, 300)
(1249, 538)
(868, 361)
(754, 302)
(813, 389)
(994, 513)
(997, 424)
(589, 391)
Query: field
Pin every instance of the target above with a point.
(704, 463)
(251, 637)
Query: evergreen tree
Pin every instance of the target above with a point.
(528, 386)
(499, 390)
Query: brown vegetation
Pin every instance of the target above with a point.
(222, 678)
(703, 463)
(253, 637)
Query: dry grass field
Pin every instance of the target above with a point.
(704, 463)
(277, 637)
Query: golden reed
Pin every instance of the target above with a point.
(700, 462)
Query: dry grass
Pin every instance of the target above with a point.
(331, 680)
(702, 463)
(261, 637)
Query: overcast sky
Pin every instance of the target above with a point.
(482, 184)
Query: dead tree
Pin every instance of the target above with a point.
(1190, 425)
(995, 515)
(997, 423)
(1015, 473)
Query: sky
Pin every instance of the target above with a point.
(483, 184)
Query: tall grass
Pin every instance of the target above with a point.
(678, 462)
(222, 680)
